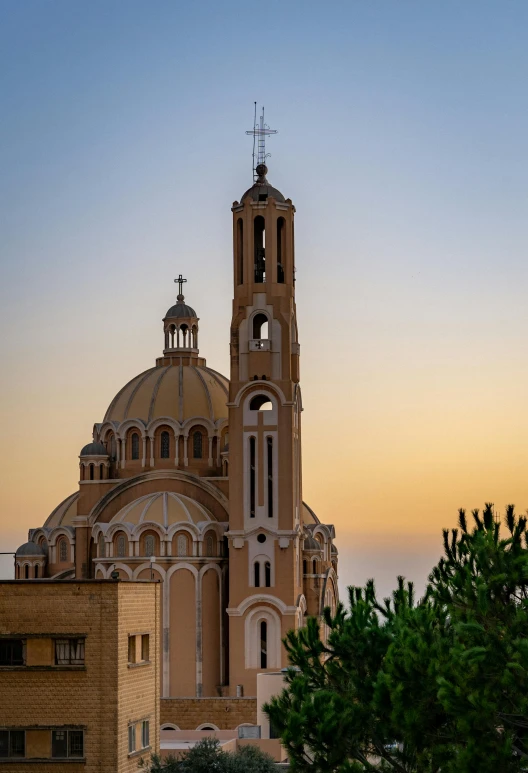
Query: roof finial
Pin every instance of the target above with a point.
(180, 280)
(260, 131)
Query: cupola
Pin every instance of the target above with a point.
(180, 328)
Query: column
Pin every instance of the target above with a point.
(210, 460)
(185, 457)
(151, 451)
(144, 458)
(123, 447)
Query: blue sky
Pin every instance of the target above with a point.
(402, 141)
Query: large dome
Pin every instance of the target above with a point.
(178, 391)
(163, 508)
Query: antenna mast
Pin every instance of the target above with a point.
(260, 131)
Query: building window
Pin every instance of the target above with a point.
(131, 649)
(131, 739)
(26, 572)
(145, 646)
(102, 551)
(12, 743)
(36, 571)
(209, 546)
(145, 734)
(270, 477)
(251, 477)
(67, 743)
(165, 445)
(149, 545)
(101, 472)
(263, 644)
(63, 551)
(182, 545)
(197, 445)
(121, 546)
(267, 574)
(11, 652)
(256, 572)
(135, 446)
(69, 652)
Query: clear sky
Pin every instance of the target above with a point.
(403, 144)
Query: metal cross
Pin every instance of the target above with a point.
(180, 281)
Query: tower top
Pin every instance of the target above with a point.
(260, 131)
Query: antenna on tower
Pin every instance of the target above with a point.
(260, 131)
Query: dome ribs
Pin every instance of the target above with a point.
(208, 394)
(155, 392)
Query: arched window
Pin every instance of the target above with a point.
(267, 574)
(314, 564)
(135, 446)
(240, 251)
(149, 545)
(121, 546)
(281, 249)
(63, 550)
(260, 326)
(256, 570)
(197, 445)
(182, 545)
(263, 644)
(26, 572)
(252, 480)
(209, 544)
(101, 472)
(305, 567)
(259, 231)
(36, 571)
(270, 476)
(101, 546)
(91, 472)
(260, 403)
(165, 445)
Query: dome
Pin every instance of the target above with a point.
(177, 391)
(334, 550)
(163, 508)
(310, 543)
(309, 517)
(261, 187)
(31, 549)
(64, 513)
(180, 310)
(94, 449)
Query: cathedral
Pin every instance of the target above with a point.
(195, 480)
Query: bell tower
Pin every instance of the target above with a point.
(265, 493)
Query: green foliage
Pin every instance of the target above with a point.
(208, 757)
(441, 685)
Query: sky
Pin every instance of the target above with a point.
(402, 142)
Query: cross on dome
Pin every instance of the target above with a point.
(180, 280)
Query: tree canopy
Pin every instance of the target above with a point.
(208, 757)
(438, 685)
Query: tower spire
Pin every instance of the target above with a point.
(260, 131)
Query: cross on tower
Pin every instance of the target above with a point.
(180, 280)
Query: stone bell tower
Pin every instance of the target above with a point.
(265, 596)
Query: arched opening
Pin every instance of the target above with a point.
(149, 545)
(314, 566)
(260, 403)
(26, 571)
(165, 445)
(101, 472)
(63, 551)
(101, 546)
(259, 236)
(252, 479)
(184, 330)
(267, 574)
(181, 544)
(263, 644)
(260, 326)
(36, 571)
(256, 574)
(281, 249)
(240, 251)
(197, 445)
(270, 476)
(91, 472)
(305, 567)
(121, 546)
(135, 446)
(210, 545)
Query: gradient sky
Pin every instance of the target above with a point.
(403, 144)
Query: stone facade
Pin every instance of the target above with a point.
(101, 694)
(222, 713)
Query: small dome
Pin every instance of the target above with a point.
(64, 513)
(94, 449)
(261, 189)
(310, 543)
(334, 551)
(31, 549)
(180, 310)
(163, 508)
